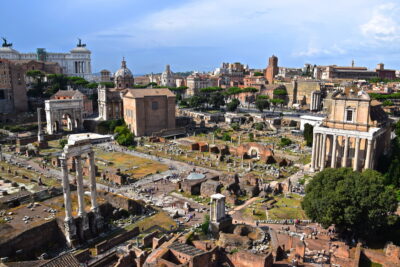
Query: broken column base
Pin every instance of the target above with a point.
(83, 226)
(70, 233)
(222, 226)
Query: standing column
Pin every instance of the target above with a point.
(368, 156)
(79, 181)
(314, 147)
(323, 152)
(317, 150)
(356, 156)
(92, 173)
(66, 189)
(333, 161)
(346, 151)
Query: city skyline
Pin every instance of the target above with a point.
(153, 34)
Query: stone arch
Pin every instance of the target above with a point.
(69, 111)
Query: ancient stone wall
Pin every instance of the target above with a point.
(109, 243)
(248, 259)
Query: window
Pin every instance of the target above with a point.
(2, 94)
(349, 115)
(154, 105)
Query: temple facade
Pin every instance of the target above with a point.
(355, 133)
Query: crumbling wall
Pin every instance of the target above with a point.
(247, 259)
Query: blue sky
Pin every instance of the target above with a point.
(200, 34)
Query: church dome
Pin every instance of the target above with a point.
(123, 72)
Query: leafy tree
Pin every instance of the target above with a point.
(233, 91)
(308, 134)
(235, 126)
(251, 137)
(57, 82)
(257, 73)
(38, 86)
(62, 142)
(92, 85)
(152, 84)
(108, 84)
(226, 137)
(355, 202)
(387, 103)
(206, 224)
(183, 103)
(262, 104)
(285, 142)
(249, 90)
(277, 102)
(216, 100)
(233, 105)
(259, 126)
(197, 101)
(124, 136)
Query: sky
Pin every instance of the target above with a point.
(201, 34)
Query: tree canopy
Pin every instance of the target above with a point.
(124, 136)
(233, 105)
(354, 202)
(308, 134)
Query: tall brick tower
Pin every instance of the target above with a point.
(272, 69)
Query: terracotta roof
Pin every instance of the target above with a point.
(140, 93)
(62, 261)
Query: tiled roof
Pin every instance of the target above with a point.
(65, 260)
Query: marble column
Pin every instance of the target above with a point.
(66, 189)
(368, 156)
(79, 181)
(69, 223)
(333, 160)
(317, 150)
(323, 152)
(356, 154)
(346, 151)
(92, 174)
(313, 152)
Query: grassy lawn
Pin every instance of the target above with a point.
(284, 208)
(161, 219)
(136, 167)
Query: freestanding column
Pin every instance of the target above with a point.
(356, 156)
(346, 151)
(313, 152)
(66, 189)
(39, 117)
(317, 150)
(368, 157)
(323, 152)
(69, 224)
(333, 162)
(92, 173)
(79, 181)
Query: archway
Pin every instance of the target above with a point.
(67, 122)
(253, 153)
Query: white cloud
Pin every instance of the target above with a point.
(384, 24)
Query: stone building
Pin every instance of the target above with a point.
(75, 63)
(110, 99)
(197, 81)
(167, 77)
(345, 73)
(13, 96)
(105, 76)
(149, 110)
(272, 69)
(355, 133)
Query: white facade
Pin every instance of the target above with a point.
(312, 120)
(167, 78)
(75, 63)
